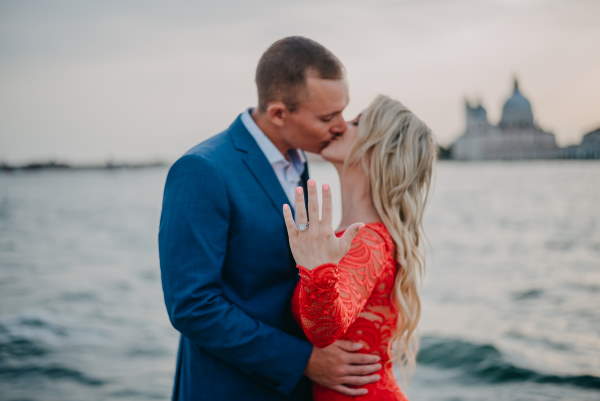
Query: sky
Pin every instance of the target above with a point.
(87, 81)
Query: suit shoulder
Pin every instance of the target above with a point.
(208, 153)
(213, 148)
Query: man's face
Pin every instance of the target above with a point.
(318, 118)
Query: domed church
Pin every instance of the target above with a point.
(517, 136)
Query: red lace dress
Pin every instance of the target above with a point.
(352, 301)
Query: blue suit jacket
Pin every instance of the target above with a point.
(228, 275)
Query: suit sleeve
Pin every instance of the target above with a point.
(193, 238)
(331, 296)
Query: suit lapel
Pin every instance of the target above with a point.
(257, 164)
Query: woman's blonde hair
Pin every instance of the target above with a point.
(397, 151)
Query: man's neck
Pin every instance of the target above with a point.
(271, 132)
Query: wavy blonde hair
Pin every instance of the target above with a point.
(397, 151)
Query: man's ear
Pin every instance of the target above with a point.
(277, 113)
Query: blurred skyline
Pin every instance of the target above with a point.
(86, 81)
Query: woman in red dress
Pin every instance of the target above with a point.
(360, 283)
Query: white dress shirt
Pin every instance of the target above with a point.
(288, 172)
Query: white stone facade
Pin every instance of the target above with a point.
(517, 136)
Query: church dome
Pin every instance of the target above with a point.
(516, 112)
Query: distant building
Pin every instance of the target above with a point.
(517, 136)
(589, 148)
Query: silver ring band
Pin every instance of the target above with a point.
(302, 227)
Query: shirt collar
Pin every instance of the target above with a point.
(270, 151)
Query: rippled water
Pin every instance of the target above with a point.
(510, 299)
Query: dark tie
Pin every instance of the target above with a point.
(303, 183)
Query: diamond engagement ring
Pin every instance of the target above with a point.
(302, 227)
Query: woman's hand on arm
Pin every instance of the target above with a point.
(317, 244)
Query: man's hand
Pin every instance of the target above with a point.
(338, 366)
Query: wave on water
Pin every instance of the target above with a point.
(18, 347)
(51, 371)
(528, 294)
(25, 358)
(484, 362)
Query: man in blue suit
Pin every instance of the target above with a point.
(227, 272)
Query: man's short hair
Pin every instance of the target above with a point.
(281, 70)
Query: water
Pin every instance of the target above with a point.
(510, 301)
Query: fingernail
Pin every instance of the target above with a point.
(311, 183)
(299, 190)
(326, 187)
(358, 346)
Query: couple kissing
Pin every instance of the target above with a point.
(271, 302)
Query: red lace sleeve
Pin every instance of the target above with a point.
(330, 296)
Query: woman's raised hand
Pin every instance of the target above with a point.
(312, 239)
